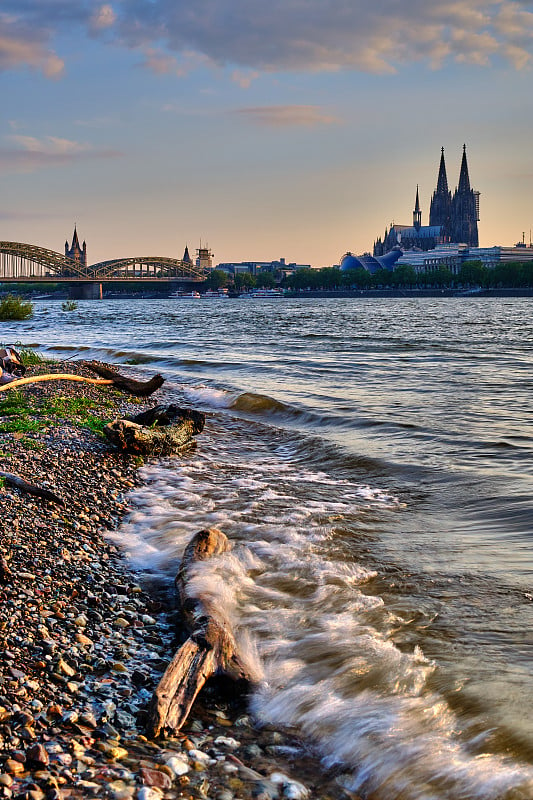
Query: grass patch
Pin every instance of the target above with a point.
(12, 307)
(95, 424)
(65, 407)
(14, 403)
(22, 415)
(32, 444)
(23, 424)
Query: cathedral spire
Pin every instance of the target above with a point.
(464, 179)
(417, 214)
(442, 180)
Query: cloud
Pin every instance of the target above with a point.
(102, 18)
(21, 47)
(251, 36)
(244, 78)
(326, 35)
(283, 116)
(30, 154)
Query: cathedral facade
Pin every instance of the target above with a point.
(452, 218)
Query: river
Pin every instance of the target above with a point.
(371, 460)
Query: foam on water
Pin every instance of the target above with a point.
(319, 641)
(209, 396)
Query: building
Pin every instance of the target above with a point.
(75, 252)
(452, 256)
(451, 218)
(255, 267)
(204, 257)
(371, 263)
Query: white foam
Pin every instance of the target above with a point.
(319, 643)
(208, 396)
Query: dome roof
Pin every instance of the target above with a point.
(349, 261)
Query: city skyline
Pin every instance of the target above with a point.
(298, 133)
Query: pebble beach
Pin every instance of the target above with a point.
(84, 640)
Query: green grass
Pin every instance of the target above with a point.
(32, 444)
(61, 406)
(15, 308)
(19, 412)
(14, 402)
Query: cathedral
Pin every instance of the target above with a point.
(451, 218)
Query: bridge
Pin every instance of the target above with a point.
(28, 263)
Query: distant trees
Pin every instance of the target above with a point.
(265, 280)
(472, 274)
(216, 279)
(244, 281)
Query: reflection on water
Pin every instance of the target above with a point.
(371, 461)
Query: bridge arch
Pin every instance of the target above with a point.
(28, 262)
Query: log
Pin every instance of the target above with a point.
(155, 438)
(109, 378)
(55, 376)
(30, 488)
(210, 649)
(138, 388)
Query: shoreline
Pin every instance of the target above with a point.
(85, 640)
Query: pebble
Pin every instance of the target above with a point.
(149, 793)
(178, 765)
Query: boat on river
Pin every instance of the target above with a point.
(258, 294)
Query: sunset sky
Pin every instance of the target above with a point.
(293, 128)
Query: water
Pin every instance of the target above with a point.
(371, 461)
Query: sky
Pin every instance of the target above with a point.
(293, 128)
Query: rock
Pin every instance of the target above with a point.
(37, 755)
(227, 741)
(264, 790)
(149, 793)
(14, 767)
(153, 777)
(178, 764)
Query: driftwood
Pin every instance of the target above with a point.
(56, 376)
(110, 378)
(159, 431)
(210, 649)
(30, 488)
(138, 388)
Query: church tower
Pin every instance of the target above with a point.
(75, 252)
(465, 209)
(417, 214)
(441, 202)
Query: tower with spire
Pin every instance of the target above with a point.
(465, 208)
(417, 214)
(440, 210)
(75, 252)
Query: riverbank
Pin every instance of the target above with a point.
(84, 640)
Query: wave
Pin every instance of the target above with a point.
(323, 637)
(261, 404)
